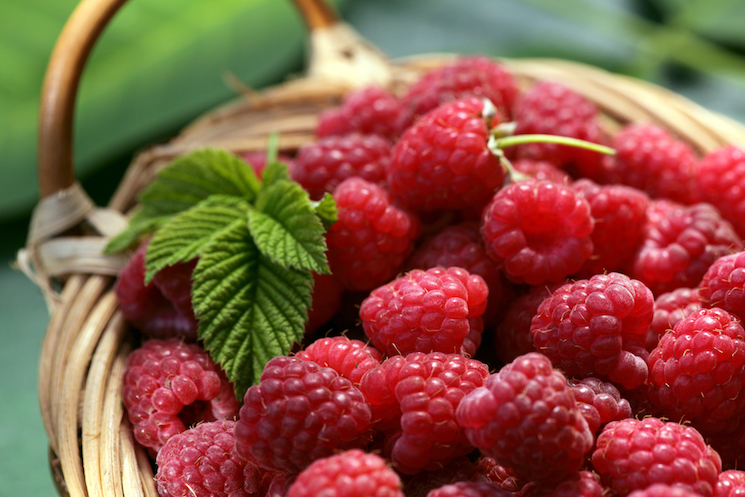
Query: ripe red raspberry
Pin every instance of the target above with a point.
(526, 418)
(597, 327)
(537, 231)
(442, 161)
(458, 469)
(579, 484)
(664, 490)
(300, 412)
(723, 285)
(542, 170)
(426, 311)
(427, 389)
(720, 178)
(680, 243)
(350, 358)
(731, 483)
(321, 165)
(633, 454)
(513, 337)
(730, 447)
(697, 371)
(669, 308)
(470, 489)
(353, 473)
(600, 402)
(553, 109)
(162, 308)
(649, 158)
(372, 238)
(496, 473)
(368, 110)
(170, 385)
(202, 461)
(619, 212)
(477, 76)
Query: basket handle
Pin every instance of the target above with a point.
(59, 92)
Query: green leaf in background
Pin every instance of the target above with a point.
(285, 228)
(158, 65)
(250, 308)
(186, 235)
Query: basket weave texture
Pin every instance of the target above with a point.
(92, 451)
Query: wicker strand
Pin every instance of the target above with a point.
(112, 417)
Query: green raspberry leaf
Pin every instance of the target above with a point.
(274, 172)
(143, 222)
(326, 210)
(186, 234)
(250, 308)
(286, 229)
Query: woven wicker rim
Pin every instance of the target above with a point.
(92, 451)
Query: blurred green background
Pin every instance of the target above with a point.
(164, 62)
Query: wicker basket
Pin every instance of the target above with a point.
(92, 451)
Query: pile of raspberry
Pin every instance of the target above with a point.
(533, 320)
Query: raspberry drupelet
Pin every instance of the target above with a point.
(538, 231)
(426, 388)
(526, 418)
(723, 285)
(597, 327)
(731, 483)
(321, 165)
(353, 473)
(372, 238)
(477, 76)
(579, 484)
(370, 110)
(442, 161)
(599, 401)
(202, 461)
(720, 177)
(300, 412)
(633, 454)
(162, 308)
(437, 310)
(350, 358)
(170, 385)
(680, 243)
(669, 308)
(697, 371)
(664, 490)
(470, 489)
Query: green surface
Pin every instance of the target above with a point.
(399, 27)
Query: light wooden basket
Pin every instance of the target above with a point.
(92, 451)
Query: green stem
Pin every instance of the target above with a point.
(509, 141)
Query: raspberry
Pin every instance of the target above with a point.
(731, 483)
(457, 470)
(368, 110)
(427, 389)
(353, 473)
(633, 454)
(350, 358)
(162, 308)
(470, 489)
(495, 472)
(372, 238)
(542, 170)
(327, 297)
(526, 418)
(720, 178)
(321, 165)
(723, 285)
(426, 311)
(730, 446)
(477, 76)
(697, 371)
(537, 231)
(619, 212)
(202, 461)
(680, 243)
(650, 159)
(442, 161)
(579, 484)
(600, 402)
(669, 308)
(300, 412)
(170, 385)
(513, 337)
(597, 327)
(663, 490)
(552, 108)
